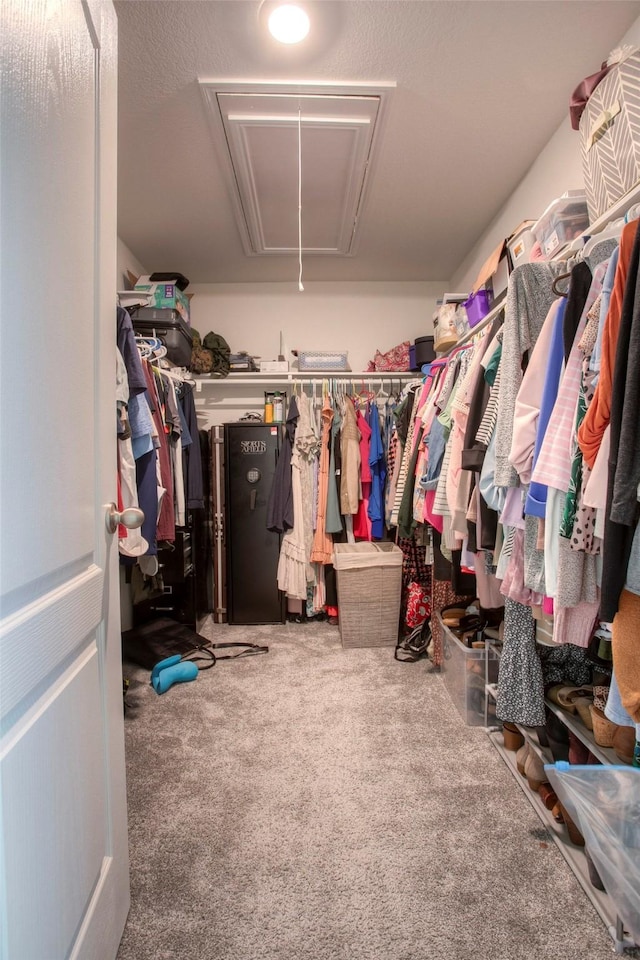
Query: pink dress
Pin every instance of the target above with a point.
(361, 521)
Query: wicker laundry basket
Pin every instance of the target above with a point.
(369, 580)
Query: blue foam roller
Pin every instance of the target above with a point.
(178, 673)
(167, 662)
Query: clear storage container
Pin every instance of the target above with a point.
(563, 220)
(604, 801)
(463, 672)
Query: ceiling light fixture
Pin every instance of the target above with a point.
(289, 23)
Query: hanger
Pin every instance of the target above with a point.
(149, 346)
(554, 287)
(365, 395)
(381, 395)
(611, 232)
(632, 213)
(177, 374)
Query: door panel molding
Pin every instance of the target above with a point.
(43, 635)
(47, 764)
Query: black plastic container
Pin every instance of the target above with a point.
(425, 352)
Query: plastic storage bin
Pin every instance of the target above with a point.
(445, 334)
(604, 801)
(563, 220)
(477, 306)
(322, 360)
(425, 351)
(369, 581)
(463, 672)
(520, 243)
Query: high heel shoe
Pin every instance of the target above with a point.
(603, 728)
(594, 876)
(513, 739)
(521, 758)
(534, 771)
(548, 796)
(574, 834)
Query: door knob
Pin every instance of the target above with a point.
(131, 518)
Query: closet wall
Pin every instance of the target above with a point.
(127, 262)
(557, 168)
(358, 316)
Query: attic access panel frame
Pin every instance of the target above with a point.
(255, 126)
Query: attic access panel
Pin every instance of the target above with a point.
(258, 130)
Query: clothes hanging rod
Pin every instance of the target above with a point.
(295, 376)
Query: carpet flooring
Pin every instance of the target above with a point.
(317, 803)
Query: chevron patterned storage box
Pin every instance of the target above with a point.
(610, 137)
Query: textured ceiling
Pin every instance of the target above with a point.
(481, 86)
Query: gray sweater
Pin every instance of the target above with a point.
(529, 298)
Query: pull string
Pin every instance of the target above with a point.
(300, 287)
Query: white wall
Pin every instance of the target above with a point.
(556, 169)
(356, 317)
(127, 261)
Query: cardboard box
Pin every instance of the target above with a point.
(494, 273)
(165, 296)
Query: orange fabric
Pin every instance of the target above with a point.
(322, 549)
(599, 412)
(626, 652)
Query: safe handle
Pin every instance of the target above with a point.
(252, 499)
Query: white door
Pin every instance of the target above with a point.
(64, 888)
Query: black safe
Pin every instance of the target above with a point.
(252, 551)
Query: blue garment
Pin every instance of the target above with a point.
(494, 497)
(130, 354)
(436, 443)
(614, 709)
(536, 502)
(375, 510)
(141, 425)
(333, 519)
(607, 287)
(191, 454)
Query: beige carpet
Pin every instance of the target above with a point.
(323, 804)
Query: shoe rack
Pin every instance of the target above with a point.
(461, 667)
(574, 855)
(573, 723)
